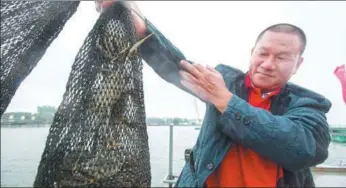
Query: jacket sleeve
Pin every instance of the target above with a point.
(296, 140)
(162, 56)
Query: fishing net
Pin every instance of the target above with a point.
(98, 137)
(27, 29)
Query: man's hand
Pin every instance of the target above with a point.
(140, 25)
(207, 83)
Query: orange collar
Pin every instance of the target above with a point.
(251, 87)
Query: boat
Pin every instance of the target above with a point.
(341, 169)
(338, 134)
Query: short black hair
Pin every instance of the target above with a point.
(286, 28)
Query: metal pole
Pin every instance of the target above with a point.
(170, 164)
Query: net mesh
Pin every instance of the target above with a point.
(27, 29)
(98, 137)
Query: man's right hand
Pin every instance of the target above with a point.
(138, 18)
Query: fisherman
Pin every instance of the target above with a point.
(258, 130)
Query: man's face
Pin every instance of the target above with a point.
(274, 59)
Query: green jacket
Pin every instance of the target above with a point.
(295, 134)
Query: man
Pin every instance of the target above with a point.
(259, 130)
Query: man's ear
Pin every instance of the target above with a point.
(300, 61)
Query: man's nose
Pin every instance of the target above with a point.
(268, 64)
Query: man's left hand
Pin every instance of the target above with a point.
(207, 83)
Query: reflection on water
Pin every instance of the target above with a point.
(21, 150)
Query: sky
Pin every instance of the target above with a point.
(207, 32)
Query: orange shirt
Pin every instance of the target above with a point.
(242, 167)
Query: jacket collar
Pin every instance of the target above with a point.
(250, 86)
(280, 100)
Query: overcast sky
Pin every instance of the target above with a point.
(208, 33)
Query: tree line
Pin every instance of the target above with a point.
(45, 115)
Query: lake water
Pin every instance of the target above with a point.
(21, 150)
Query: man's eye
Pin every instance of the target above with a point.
(263, 54)
(283, 58)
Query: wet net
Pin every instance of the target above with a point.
(98, 137)
(27, 29)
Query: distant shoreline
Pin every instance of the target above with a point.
(35, 123)
(49, 124)
(24, 125)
